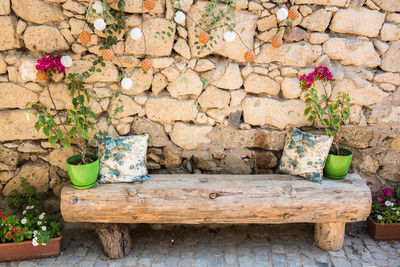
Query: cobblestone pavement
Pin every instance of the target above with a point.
(252, 245)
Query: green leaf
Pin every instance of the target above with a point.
(59, 133)
(52, 141)
(85, 134)
(37, 126)
(46, 131)
(42, 119)
(72, 132)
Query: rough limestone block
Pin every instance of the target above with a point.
(389, 5)
(340, 3)
(14, 125)
(7, 39)
(190, 137)
(360, 91)
(153, 46)
(352, 52)
(292, 54)
(109, 73)
(391, 59)
(15, 96)
(44, 39)
(188, 84)
(4, 7)
(37, 11)
(268, 111)
(166, 110)
(358, 21)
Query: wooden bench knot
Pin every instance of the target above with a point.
(132, 193)
(288, 188)
(203, 180)
(213, 195)
(287, 216)
(74, 199)
(134, 217)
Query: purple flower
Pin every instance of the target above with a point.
(379, 198)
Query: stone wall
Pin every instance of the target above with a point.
(210, 112)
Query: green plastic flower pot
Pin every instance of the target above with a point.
(83, 176)
(336, 167)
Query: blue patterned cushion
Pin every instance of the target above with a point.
(304, 154)
(123, 159)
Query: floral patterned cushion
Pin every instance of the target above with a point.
(304, 154)
(123, 159)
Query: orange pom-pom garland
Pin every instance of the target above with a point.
(249, 56)
(85, 37)
(149, 4)
(146, 64)
(204, 38)
(293, 14)
(276, 42)
(108, 54)
(42, 76)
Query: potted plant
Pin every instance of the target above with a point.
(32, 234)
(330, 114)
(73, 126)
(384, 221)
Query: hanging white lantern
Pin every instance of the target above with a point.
(229, 36)
(98, 7)
(180, 17)
(100, 24)
(136, 34)
(282, 14)
(66, 61)
(126, 83)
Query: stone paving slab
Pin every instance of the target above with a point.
(211, 246)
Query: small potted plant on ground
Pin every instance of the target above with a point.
(329, 114)
(32, 234)
(384, 220)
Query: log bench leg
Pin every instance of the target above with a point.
(115, 239)
(329, 236)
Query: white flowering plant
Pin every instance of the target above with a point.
(33, 223)
(43, 226)
(386, 207)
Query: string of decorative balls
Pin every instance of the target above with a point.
(179, 17)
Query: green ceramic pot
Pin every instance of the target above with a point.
(83, 176)
(336, 167)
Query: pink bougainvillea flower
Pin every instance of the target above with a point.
(9, 235)
(14, 229)
(21, 230)
(379, 198)
(50, 63)
(5, 217)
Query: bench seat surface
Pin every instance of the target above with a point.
(220, 198)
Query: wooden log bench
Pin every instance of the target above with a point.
(225, 199)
